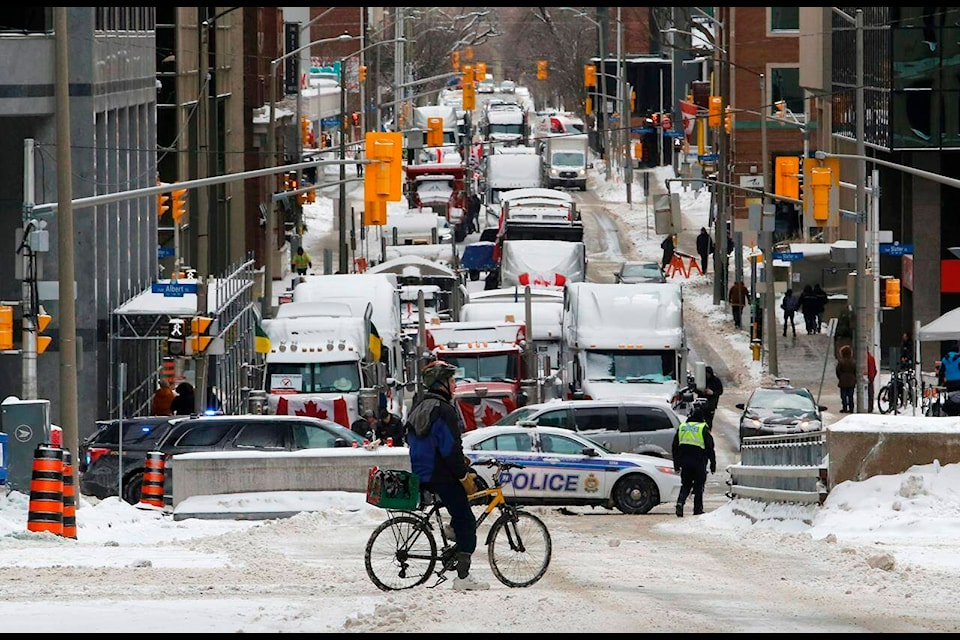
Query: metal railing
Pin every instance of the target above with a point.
(787, 468)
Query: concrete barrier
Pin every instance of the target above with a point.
(861, 446)
(340, 469)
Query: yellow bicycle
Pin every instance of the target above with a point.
(403, 551)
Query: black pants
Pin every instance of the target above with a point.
(737, 315)
(703, 261)
(788, 319)
(454, 498)
(692, 478)
(846, 398)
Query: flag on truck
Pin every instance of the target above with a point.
(375, 343)
(334, 409)
(261, 341)
(486, 412)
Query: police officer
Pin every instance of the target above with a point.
(692, 450)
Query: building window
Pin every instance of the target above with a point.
(785, 85)
(784, 19)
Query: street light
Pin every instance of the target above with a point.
(342, 204)
(272, 162)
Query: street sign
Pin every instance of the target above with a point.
(709, 157)
(642, 130)
(787, 256)
(173, 289)
(673, 134)
(165, 252)
(896, 249)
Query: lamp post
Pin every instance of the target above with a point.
(272, 162)
(342, 196)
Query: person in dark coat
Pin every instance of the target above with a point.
(711, 393)
(473, 213)
(185, 403)
(808, 307)
(365, 424)
(789, 306)
(846, 378)
(738, 296)
(667, 246)
(704, 247)
(821, 305)
(389, 426)
(693, 449)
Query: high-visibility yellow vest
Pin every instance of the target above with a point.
(692, 433)
(301, 261)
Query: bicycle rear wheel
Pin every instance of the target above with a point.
(401, 553)
(519, 548)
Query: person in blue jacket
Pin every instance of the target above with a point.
(436, 457)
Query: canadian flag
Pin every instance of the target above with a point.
(334, 409)
(485, 413)
(688, 112)
(539, 281)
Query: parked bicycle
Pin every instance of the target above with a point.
(403, 552)
(899, 392)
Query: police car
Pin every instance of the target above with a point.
(565, 468)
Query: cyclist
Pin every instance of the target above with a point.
(436, 456)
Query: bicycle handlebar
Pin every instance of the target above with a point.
(502, 465)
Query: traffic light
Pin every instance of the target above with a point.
(714, 112)
(6, 328)
(435, 132)
(455, 60)
(375, 213)
(175, 336)
(786, 181)
(892, 290)
(179, 204)
(469, 97)
(162, 206)
(382, 180)
(589, 75)
(633, 101)
(355, 118)
(781, 108)
(468, 75)
(588, 107)
(482, 70)
(363, 73)
(468, 53)
(43, 321)
(199, 338)
(728, 119)
(304, 130)
(821, 180)
(541, 69)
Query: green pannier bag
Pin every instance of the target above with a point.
(393, 489)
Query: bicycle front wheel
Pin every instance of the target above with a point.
(519, 548)
(401, 553)
(883, 400)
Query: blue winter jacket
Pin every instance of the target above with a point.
(436, 451)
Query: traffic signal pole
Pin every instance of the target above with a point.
(28, 353)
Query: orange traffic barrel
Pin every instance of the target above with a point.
(169, 369)
(69, 497)
(45, 511)
(151, 489)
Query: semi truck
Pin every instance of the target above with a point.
(624, 340)
(507, 170)
(542, 263)
(564, 160)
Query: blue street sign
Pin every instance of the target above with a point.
(329, 122)
(710, 157)
(673, 134)
(173, 289)
(642, 130)
(164, 252)
(787, 256)
(895, 249)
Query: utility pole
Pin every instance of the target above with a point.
(342, 193)
(69, 417)
(29, 276)
(770, 322)
(861, 283)
(601, 30)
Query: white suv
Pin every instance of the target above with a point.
(625, 426)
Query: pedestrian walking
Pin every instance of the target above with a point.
(906, 350)
(693, 449)
(846, 378)
(789, 306)
(704, 247)
(301, 262)
(871, 376)
(711, 392)
(185, 403)
(738, 298)
(358, 156)
(808, 307)
(820, 296)
(667, 246)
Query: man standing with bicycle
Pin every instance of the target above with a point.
(436, 456)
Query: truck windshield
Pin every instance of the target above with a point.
(652, 366)
(314, 377)
(516, 129)
(492, 367)
(568, 159)
(516, 416)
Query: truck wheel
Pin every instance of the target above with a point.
(635, 494)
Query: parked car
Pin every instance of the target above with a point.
(566, 468)
(628, 426)
(252, 432)
(779, 409)
(99, 460)
(634, 272)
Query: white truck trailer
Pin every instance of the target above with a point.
(564, 161)
(506, 172)
(542, 263)
(624, 340)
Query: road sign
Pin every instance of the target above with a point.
(673, 134)
(896, 249)
(709, 157)
(642, 130)
(173, 289)
(787, 256)
(165, 252)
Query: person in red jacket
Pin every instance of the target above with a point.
(871, 376)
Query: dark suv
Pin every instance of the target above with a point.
(219, 433)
